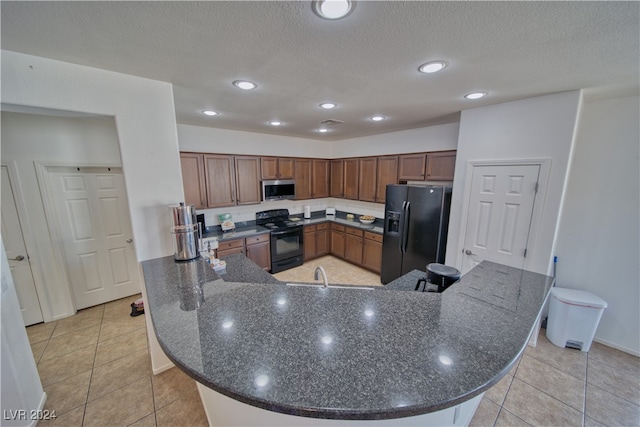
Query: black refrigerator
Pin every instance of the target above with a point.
(416, 221)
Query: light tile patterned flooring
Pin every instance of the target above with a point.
(95, 369)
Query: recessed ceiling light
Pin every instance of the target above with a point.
(378, 118)
(332, 9)
(475, 95)
(275, 123)
(328, 105)
(244, 84)
(432, 67)
(210, 113)
(323, 130)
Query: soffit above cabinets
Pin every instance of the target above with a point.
(366, 63)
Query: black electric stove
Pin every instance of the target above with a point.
(286, 238)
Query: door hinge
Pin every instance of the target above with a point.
(525, 252)
(535, 190)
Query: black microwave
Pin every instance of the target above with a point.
(279, 189)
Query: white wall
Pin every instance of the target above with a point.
(27, 138)
(598, 240)
(432, 138)
(535, 128)
(146, 127)
(21, 386)
(224, 141)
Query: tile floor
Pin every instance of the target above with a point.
(96, 371)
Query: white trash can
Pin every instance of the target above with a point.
(573, 318)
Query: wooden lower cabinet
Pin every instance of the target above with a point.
(372, 252)
(337, 240)
(258, 249)
(353, 245)
(230, 247)
(316, 241)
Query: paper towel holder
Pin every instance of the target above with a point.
(307, 212)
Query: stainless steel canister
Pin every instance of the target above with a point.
(186, 231)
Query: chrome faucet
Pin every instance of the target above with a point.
(316, 276)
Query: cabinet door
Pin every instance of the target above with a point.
(269, 167)
(337, 181)
(372, 255)
(309, 244)
(285, 168)
(323, 240)
(387, 174)
(195, 189)
(260, 253)
(247, 180)
(441, 165)
(219, 176)
(351, 175)
(412, 167)
(320, 178)
(337, 243)
(353, 248)
(302, 175)
(367, 179)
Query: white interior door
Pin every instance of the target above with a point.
(17, 255)
(499, 216)
(95, 229)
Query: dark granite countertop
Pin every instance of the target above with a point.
(341, 218)
(237, 233)
(342, 353)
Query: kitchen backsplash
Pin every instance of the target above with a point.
(248, 212)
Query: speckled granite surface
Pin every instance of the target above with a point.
(342, 353)
(340, 218)
(237, 233)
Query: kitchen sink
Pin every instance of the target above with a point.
(320, 285)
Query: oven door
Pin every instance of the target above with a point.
(286, 244)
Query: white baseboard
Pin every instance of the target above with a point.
(617, 347)
(161, 369)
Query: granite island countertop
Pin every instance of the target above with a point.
(342, 353)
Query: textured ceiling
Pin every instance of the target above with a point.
(366, 63)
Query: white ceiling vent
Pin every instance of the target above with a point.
(331, 122)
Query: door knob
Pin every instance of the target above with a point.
(129, 240)
(18, 258)
(468, 252)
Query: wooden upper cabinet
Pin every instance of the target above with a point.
(195, 188)
(441, 165)
(412, 167)
(337, 178)
(285, 168)
(351, 176)
(387, 174)
(302, 175)
(247, 180)
(320, 170)
(220, 179)
(367, 179)
(276, 168)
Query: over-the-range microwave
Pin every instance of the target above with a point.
(279, 189)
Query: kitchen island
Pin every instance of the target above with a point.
(296, 355)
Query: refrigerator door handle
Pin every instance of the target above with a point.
(405, 227)
(401, 227)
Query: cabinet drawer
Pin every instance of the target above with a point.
(309, 228)
(373, 236)
(323, 226)
(353, 231)
(258, 239)
(230, 244)
(337, 227)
